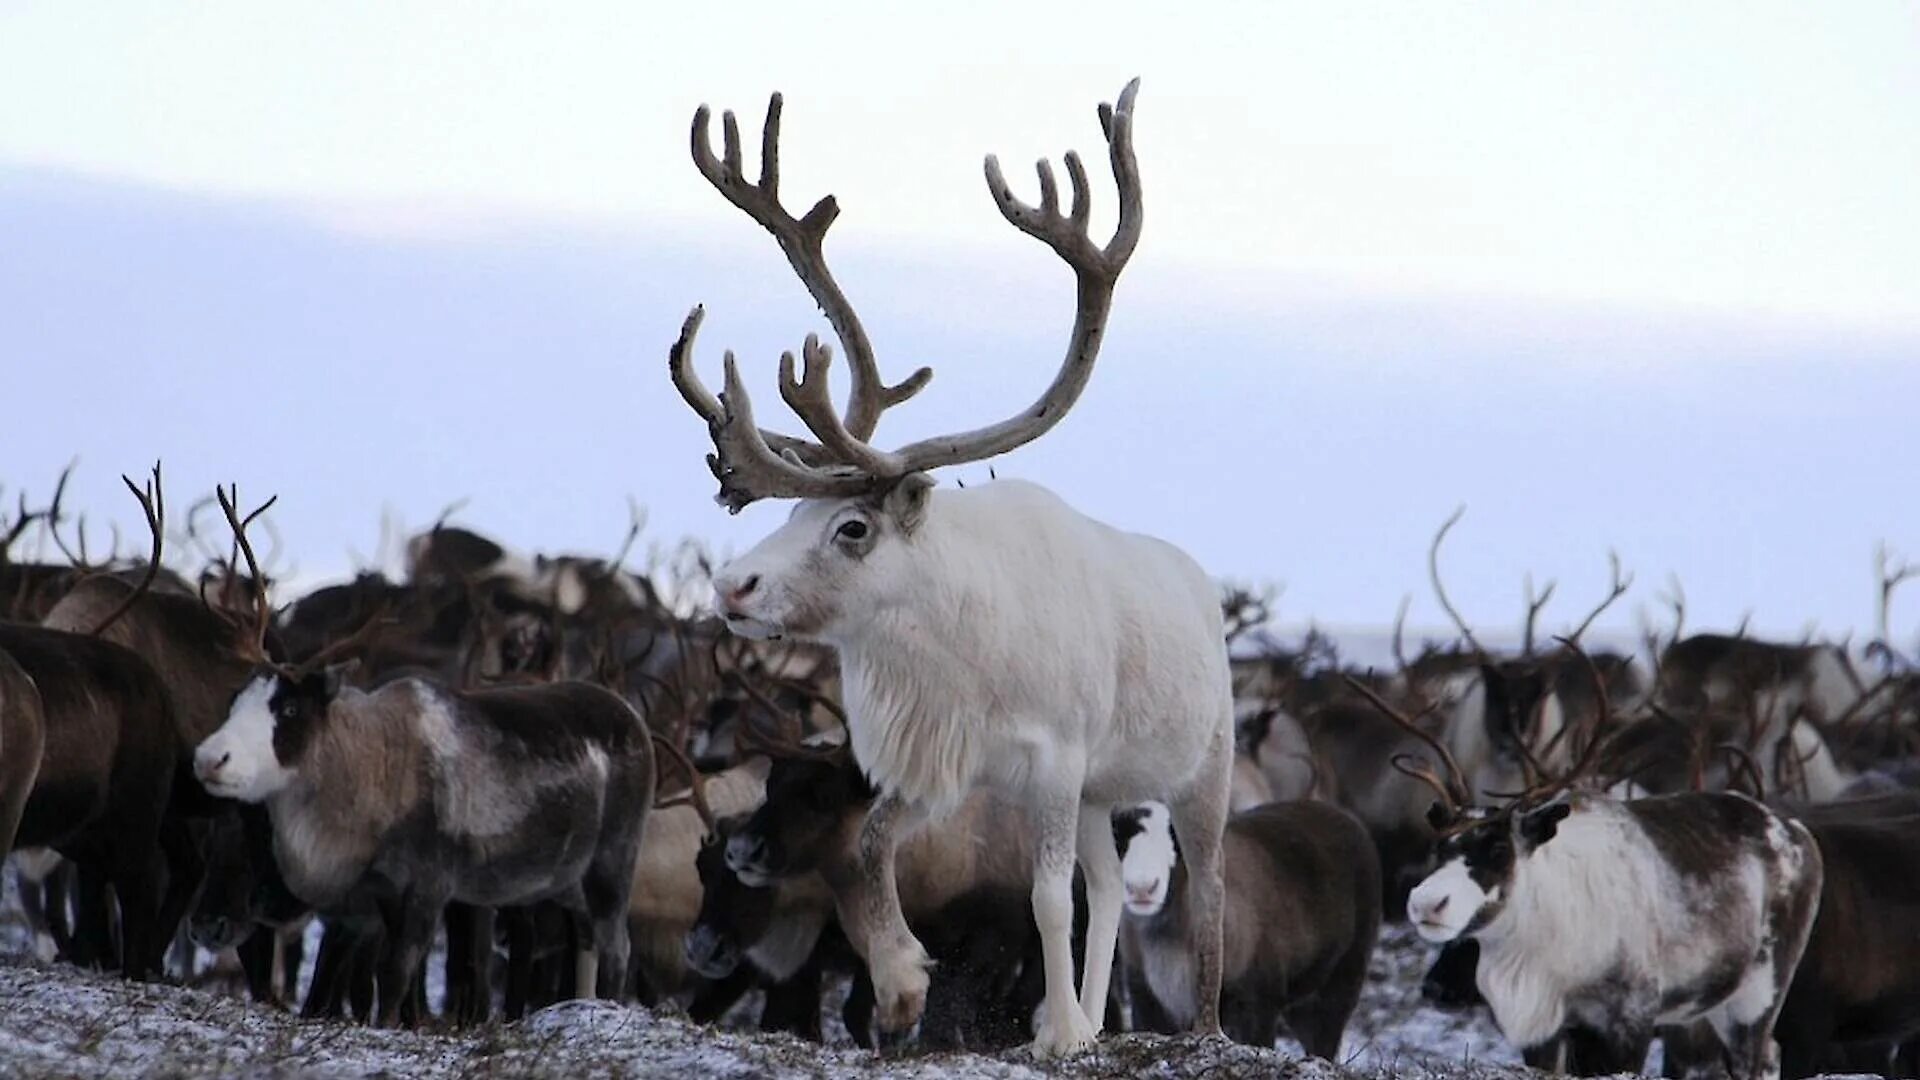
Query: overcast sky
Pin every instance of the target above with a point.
(1639, 276)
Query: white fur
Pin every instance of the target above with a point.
(1147, 866)
(237, 761)
(1011, 642)
(1597, 904)
(1441, 906)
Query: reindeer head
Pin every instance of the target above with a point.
(276, 715)
(256, 753)
(1478, 856)
(1148, 854)
(852, 542)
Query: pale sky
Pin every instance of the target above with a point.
(1397, 256)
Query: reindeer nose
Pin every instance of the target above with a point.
(745, 851)
(1425, 910)
(733, 595)
(205, 766)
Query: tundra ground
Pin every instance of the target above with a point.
(59, 1021)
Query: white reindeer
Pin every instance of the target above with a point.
(989, 637)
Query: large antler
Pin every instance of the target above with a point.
(752, 463)
(801, 241)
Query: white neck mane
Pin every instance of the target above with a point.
(923, 681)
(1580, 907)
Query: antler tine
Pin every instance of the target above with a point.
(51, 515)
(1439, 589)
(23, 519)
(1676, 598)
(1535, 604)
(810, 400)
(1616, 588)
(1399, 638)
(801, 241)
(1589, 755)
(1891, 577)
(263, 608)
(745, 459)
(1414, 769)
(153, 503)
(1460, 795)
(1096, 270)
(696, 793)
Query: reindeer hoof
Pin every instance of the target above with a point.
(1063, 1031)
(900, 995)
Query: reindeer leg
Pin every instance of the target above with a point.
(1200, 821)
(1100, 863)
(870, 914)
(1064, 1026)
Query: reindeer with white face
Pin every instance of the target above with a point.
(990, 637)
(1601, 919)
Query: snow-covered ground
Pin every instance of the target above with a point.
(55, 1020)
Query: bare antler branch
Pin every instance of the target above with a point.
(801, 241)
(752, 464)
(1890, 578)
(696, 792)
(1096, 270)
(1440, 589)
(1534, 605)
(153, 503)
(1617, 587)
(1676, 598)
(254, 641)
(1452, 789)
(1399, 636)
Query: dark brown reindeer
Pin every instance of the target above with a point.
(963, 886)
(780, 936)
(1302, 916)
(103, 794)
(390, 804)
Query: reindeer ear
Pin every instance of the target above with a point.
(906, 501)
(1540, 826)
(335, 675)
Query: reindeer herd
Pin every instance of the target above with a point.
(994, 762)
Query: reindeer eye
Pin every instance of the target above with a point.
(852, 530)
(289, 711)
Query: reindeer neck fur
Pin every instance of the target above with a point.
(1583, 908)
(920, 677)
(360, 774)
